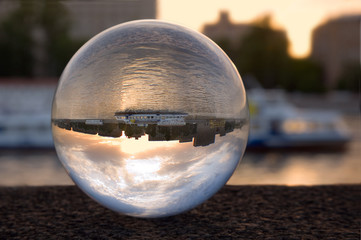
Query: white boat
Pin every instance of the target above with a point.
(145, 118)
(25, 115)
(98, 122)
(275, 123)
(25, 131)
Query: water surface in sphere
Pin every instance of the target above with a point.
(150, 118)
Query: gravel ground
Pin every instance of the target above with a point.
(235, 212)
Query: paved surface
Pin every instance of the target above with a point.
(242, 212)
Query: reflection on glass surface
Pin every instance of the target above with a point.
(157, 170)
(150, 119)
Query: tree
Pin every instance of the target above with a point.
(263, 54)
(350, 78)
(56, 23)
(16, 42)
(35, 39)
(304, 75)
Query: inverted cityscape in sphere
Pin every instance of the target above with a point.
(150, 118)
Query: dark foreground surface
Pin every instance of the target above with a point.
(242, 212)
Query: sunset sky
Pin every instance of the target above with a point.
(297, 17)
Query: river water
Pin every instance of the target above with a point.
(42, 167)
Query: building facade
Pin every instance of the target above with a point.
(336, 44)
(60, 26)
(225, 29)
(93, 16)
(89, 17)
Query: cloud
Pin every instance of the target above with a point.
(151, 181)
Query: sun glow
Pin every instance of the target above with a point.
(135, 146)
(142, 170)
(142, 166)
(298, 18)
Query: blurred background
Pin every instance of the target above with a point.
(300, 62)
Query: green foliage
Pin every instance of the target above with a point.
(350, 78)
(263, 54)
(60, 46)
(15, 42)
(151, 130)
(304, 75)
(18, 41)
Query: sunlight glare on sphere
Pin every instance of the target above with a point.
(150, 118)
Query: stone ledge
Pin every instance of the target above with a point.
(235, 212)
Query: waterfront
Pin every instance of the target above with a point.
(39, 167)
(42, 167)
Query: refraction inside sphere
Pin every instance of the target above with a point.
(150, 118)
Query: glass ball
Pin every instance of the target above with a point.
(150, 118)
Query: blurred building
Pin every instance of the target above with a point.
(336, 44)
(6, 7)
(90, 17)
(43, 35)
(93, 16)
(225, 29)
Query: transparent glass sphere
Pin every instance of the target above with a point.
(150, 118)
